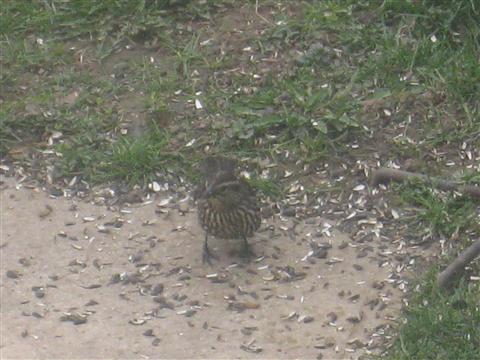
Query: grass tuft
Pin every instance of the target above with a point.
(439, 325)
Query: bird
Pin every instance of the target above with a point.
(227, 204)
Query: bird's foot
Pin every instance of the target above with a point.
(247, 253)
(207, 256)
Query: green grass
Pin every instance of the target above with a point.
(444, 214)
(137, 160)
(434, 44)
(439, 325)
(312, 108)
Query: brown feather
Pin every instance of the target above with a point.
(227, 204)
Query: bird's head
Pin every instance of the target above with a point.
(224, 190)
(221, 183)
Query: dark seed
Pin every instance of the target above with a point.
(148, 332)
(354, 319)
(332, 317)
(115, 279)
(308, 319)
(362, 253)
(93, 286)
(77, 319)
(289, 211)
(39, 292)
(178, 297)
(190, 313)
(354, 297)
(357, 267)
(13, 274)
(24, 261)
(164, 304)
(184, 277)
(157, 290)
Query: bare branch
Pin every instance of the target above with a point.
(458, 265)
(385, 175)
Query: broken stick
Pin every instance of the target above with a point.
(385, 175)
(458, 265)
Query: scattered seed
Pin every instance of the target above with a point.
(332, 317)
(289, 212)
(187, 313)
(356, 342)
(343, 245)
(45, 212)
(37, 315)
(164, 304)
(307, 319)
(137, 321)
(136, 257)
(359, 187)
(333, 260)
(324, 344)
(356, 319)
(290, 316)
(248, 330)
(362, 253)
(93, 286)
(76, 318)
(357, 267)
(38, 291)
(242, 306)
(354, 298)
(148, 332)
(13, 274)
(157, 290)
(155, 186)
(218, 278)
(103, 229)
(250, 347)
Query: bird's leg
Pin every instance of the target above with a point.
(207, 255)
(247, 251)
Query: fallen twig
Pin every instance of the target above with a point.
(458, 265)
(385, 175)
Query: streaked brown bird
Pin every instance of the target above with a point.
(227, 204)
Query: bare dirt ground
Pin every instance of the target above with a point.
(82, 281)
